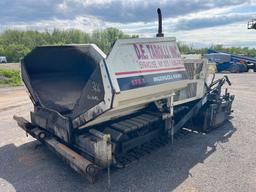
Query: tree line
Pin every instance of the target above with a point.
(188, 49)
(14, 44)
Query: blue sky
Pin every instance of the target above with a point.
(197, 22)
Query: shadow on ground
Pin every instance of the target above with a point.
(32, 168)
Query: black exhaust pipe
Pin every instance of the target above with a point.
(160, 28)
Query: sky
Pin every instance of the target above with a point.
(197, 22)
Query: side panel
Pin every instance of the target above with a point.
(102, 107)
(193, 91)
(142, 71)
(139, 63)
(197, 73)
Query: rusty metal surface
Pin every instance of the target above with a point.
(55, 123)
(75, 160)
(97, 145)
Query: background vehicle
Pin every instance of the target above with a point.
(3, 59)
(231, 62)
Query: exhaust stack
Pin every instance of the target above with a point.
(160, 28)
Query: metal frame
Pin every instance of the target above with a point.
(252, 24)
(75, 160)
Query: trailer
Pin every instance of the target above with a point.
(231, 62)
(97, 111)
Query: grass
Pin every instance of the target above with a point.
(9, 77)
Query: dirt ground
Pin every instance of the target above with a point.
(224, 160)
(10, 66)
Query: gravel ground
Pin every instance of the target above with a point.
(224, 160)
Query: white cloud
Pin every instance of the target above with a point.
(207, 21)
(62, 6)
(87, 24)
(235, 34)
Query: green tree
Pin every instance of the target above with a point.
(15, 44)
(14, 52)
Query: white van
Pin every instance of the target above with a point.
(3, 59)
